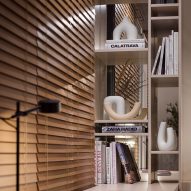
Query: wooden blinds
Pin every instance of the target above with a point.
(47, 51)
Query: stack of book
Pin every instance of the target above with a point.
(110, 159)
(165, 1)
(166, 60)
(125, 43)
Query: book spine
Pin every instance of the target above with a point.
(103, 164)
(111, 163)
(118, 129)
(114, 163)
(155, 66)
(171, 55)
(159, 71)
(167, 48)
(108, 165)
(99, 162)
(175, 52)
(125, 45)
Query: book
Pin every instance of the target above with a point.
(171, 54)
(125, 45)
(156, 62)
(128, 163)
(142, 40)
(108, 165)
(115, 165)
(167, 49)
(123, 129)
(161, 62)
(100, 161)
(176, 53)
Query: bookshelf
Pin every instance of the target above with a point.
(162, 19)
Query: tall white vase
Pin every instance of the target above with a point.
(127, 27)
(166, 140)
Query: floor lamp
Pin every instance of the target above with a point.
(44, 106)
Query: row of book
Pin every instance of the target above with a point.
(125, 43)
(166, 60)
(165, 1)
(114, 163)
(124, 129)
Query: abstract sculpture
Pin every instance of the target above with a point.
(166, 140)
(127, 27)
(119, 104)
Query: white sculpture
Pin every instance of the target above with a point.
(166, 140)
(127, 27)
(119, 114)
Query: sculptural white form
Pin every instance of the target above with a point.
(166, 139)
(119, 114)
(127, 27)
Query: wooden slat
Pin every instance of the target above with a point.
(47, 52)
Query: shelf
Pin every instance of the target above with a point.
(120, 56)
(164, 152)
(170, 9)
(165, 80)
(143, 186)
(121, 121)
(165, 22)
(106, 2)
(120, 134)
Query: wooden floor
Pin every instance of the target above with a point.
(140, 186)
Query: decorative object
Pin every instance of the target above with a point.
(172, 120)
(166, 140)
(44, 106)
(127, 27)
(108, 106)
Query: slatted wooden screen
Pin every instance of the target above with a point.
(127, 76)
(46, 51)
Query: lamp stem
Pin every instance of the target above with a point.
(17, 146)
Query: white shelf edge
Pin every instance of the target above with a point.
(121, 134)
(164, 152)
(104, 50)
(164, 76)
(121, 121)
(165, 18)
(165, 5)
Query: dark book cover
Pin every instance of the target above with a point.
(171, 1)
(128, 163)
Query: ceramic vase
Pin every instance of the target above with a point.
(166, 139)
(127, 27)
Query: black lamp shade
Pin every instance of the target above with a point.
(49, 106)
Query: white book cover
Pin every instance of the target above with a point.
(125, 45)
(176, 52)
(141, 40)
(156, 60)
(167, 49)
(108, 165)
(159, 71)
(171, 50)
(114, 165)
(111, 163)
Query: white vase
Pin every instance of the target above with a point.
(166, 140)
(127, 27)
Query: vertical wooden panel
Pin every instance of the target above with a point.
(47, 51)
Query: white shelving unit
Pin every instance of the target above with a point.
(162, 18)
